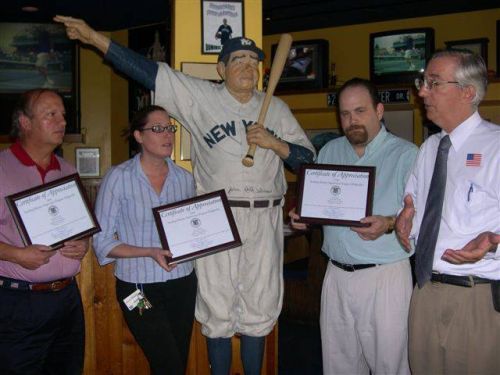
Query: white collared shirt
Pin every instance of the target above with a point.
(472, 197)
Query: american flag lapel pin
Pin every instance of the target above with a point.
(473, 160)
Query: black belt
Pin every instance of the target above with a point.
(256, 204)
(352, 267)
(50, 286)
(467, 281)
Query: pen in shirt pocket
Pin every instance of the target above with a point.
(471, 190)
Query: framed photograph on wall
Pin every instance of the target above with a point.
(87, 161)
(220, 21)
(38, 55)
(478, 46)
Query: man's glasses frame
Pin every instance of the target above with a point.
(157, 128)
(429, 83)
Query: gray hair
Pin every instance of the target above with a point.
(471, 71)
(24, 107)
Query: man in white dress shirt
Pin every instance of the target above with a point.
(453, 325)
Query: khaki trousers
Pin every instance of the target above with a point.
(364, 320)
(454, 330)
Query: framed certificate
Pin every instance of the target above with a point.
(53, 213)
(335, 194)
(197, 227)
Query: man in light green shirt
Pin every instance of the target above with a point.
(367, 287)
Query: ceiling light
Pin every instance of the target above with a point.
(29, 8)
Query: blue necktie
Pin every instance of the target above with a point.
(429, 229)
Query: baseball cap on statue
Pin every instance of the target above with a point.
(237, 44)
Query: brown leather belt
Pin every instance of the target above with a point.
(50, 286)
(256, 204)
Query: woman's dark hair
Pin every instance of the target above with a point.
(138, 122)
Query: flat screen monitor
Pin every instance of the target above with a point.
(400, 56)
(37, 55)
(306, 66)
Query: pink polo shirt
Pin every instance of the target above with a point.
(18, 172)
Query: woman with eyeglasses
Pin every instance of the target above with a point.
(157, 299)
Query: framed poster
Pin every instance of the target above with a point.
(220, 20)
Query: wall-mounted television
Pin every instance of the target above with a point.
(306, 66)
(399, 56)
(34, 55)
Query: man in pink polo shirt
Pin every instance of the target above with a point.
(41, 321)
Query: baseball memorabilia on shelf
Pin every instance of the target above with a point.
(335, 194)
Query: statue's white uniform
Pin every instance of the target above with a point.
(240, 290)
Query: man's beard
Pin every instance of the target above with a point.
(357, 134)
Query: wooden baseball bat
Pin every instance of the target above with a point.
(278, 64)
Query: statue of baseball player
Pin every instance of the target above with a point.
(240, 290)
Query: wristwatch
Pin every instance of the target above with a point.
(392, 222)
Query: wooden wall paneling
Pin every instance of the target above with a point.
(198, 355)
(134, 360)
(86, 285)
(102, 327)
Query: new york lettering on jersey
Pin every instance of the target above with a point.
(223, 130)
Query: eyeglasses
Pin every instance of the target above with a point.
(161, 128)
(429, 84)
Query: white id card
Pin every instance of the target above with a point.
(133, 299)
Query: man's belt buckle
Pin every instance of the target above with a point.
(349, 267)
(53, 286)
(56, 286)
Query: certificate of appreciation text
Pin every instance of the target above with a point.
(53, 213)
(335, 194)
(197, 227)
